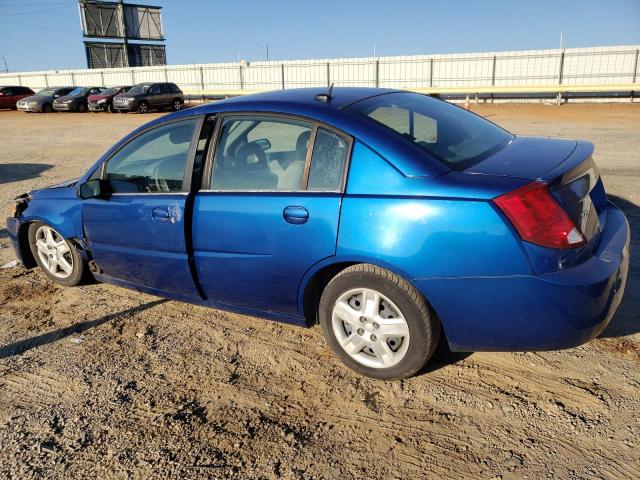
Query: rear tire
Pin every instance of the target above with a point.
(378, 324)
(47, 108)
(58, 258)
(176, 105)
(143, 107)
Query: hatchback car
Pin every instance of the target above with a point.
(388, 217)
(146, 96)
(10, 96)
(43, 100)
(103, 101)
(76, 100)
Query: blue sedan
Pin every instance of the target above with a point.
(390, 218)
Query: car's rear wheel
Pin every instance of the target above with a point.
(55, 255)
(176, 105)
(377, 323)
(47, 108)
(143, 107)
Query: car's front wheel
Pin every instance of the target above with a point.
(56, 256)
(143, 107)
(47, 108)
(82, 107)
(377, 323)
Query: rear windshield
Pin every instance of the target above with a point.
(454, 136)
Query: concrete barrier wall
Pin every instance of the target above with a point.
(527, 68)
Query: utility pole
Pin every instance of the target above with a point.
(6, 69)
(374, 49)
(561, 41)
(267, 52)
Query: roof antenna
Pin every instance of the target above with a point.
(325, 97)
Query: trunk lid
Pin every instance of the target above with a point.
(566, 166)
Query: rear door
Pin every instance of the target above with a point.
(136, 234)
(268, 210)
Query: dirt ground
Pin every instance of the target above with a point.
(101, 382)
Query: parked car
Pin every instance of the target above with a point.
(9, 96)
(43, 100)
(76, 100)
(388, 217)
(146, 96)
(103, 101)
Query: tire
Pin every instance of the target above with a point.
(54, 247)
(111, 109)
(176, 104)
(143, 107)
(47, 108)
(82, 107)
(401, 310)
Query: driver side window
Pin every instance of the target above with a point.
(153, 162)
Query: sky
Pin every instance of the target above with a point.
(45, 34)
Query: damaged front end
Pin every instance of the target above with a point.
(15, 210)
(19, 205)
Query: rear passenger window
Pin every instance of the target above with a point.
(328, 161)
(260, 153)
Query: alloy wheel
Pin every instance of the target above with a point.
(370, 328)
(54, 252)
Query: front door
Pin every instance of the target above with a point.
(269, 209)
(136, 233)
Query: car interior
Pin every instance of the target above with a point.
(244, 162)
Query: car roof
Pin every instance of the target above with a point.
(340, 96)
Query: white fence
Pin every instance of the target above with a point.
(597, 66)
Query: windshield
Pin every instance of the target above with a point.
(76, 92)
(136, 89)
(45, 92)
(109, 91)
(454, 136)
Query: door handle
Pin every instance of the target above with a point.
(160, 214)
(295, 215)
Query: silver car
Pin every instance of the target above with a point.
(43, 100)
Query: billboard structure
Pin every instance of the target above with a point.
(117, 24)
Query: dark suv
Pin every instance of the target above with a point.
(145, 96)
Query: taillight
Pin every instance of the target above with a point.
(538, 218)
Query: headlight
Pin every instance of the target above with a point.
(67, 101)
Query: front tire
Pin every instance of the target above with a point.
(82, 107)
(47, 108)
(143, 107)
(378, 324)
(58, 258)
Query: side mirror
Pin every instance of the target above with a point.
(56, 95)
(92, 189)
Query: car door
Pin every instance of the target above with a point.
(155, 96)
(136, 233)
(268, 210)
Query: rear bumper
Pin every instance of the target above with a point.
(539, 312)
